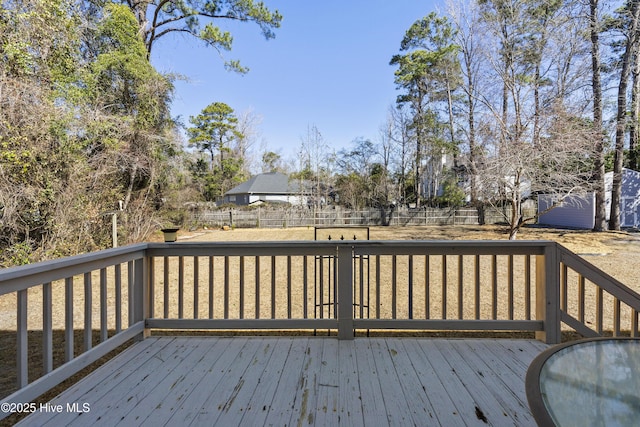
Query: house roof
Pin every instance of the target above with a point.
(267, 183)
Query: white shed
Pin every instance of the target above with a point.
(579, 212)
(573, 212)
(630, 197)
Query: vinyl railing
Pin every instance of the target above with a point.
(105, 299)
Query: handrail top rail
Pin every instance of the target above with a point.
(22, 277)
(60, 263)
(597, 275)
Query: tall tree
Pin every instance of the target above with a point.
(629, 17)
(466, 19)
(198, 19)
(596, 87)
(213, 130)
(429, 73)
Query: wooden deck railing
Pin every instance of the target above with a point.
(120, 294)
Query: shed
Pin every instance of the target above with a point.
(274, 187)
(579, 211)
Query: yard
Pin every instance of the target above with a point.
(614, 252)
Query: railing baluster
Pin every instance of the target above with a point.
(196, 286)
(289, 289)
(211, 280)
(273, 287)
(527, 286)
(410, 286)
(68, 319)
(599, 310)
(477, 286)
(581, 291)
(131, 291)
(510, 286)
(377, 286)
(88, 306)
(362, 302)
(152, 280)
(564, 291)
(241, 289)
(104, 330)
(494, 287)
(427, 291)
(180, 287)
(257, 293)
(166, 287)
(634, 322)
(317, 290)
(22, 346)
(616, 317)
(47, 329)
(460, 287)
(118, 297)
(394, 287)
(226, 287)
(444, 286)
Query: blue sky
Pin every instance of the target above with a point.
(327, 67)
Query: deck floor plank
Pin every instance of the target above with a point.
(496, 371)
(266, 366)
(218, 363)
(120, 369)
(298, 409)
(221, 397)
(296, 381)
(324, 408)
(448, 377)
(350, 403)
(446, 412)
(168, 392)
(493, 406)
(395, 401)
(128, 396)
(373, 409)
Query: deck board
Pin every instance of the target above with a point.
(298, 381)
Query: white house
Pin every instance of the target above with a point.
(579, 211)
(273, 187)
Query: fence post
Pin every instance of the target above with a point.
(548, 294)
(345, 291)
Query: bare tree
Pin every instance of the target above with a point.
(559, 166)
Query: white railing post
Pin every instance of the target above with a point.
(345, 292)
(141, 292)
(548, 294)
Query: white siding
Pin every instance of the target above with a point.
(630, 200)
(575, 212)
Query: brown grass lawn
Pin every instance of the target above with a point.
(617, 253)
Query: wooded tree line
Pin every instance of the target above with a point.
(498, 100)
(507, 99)
(85, 127)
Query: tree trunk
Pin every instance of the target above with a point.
(621, 118)
(596, 84)
(634, 132)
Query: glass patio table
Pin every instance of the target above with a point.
(593, 382)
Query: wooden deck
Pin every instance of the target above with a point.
(297, 381)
